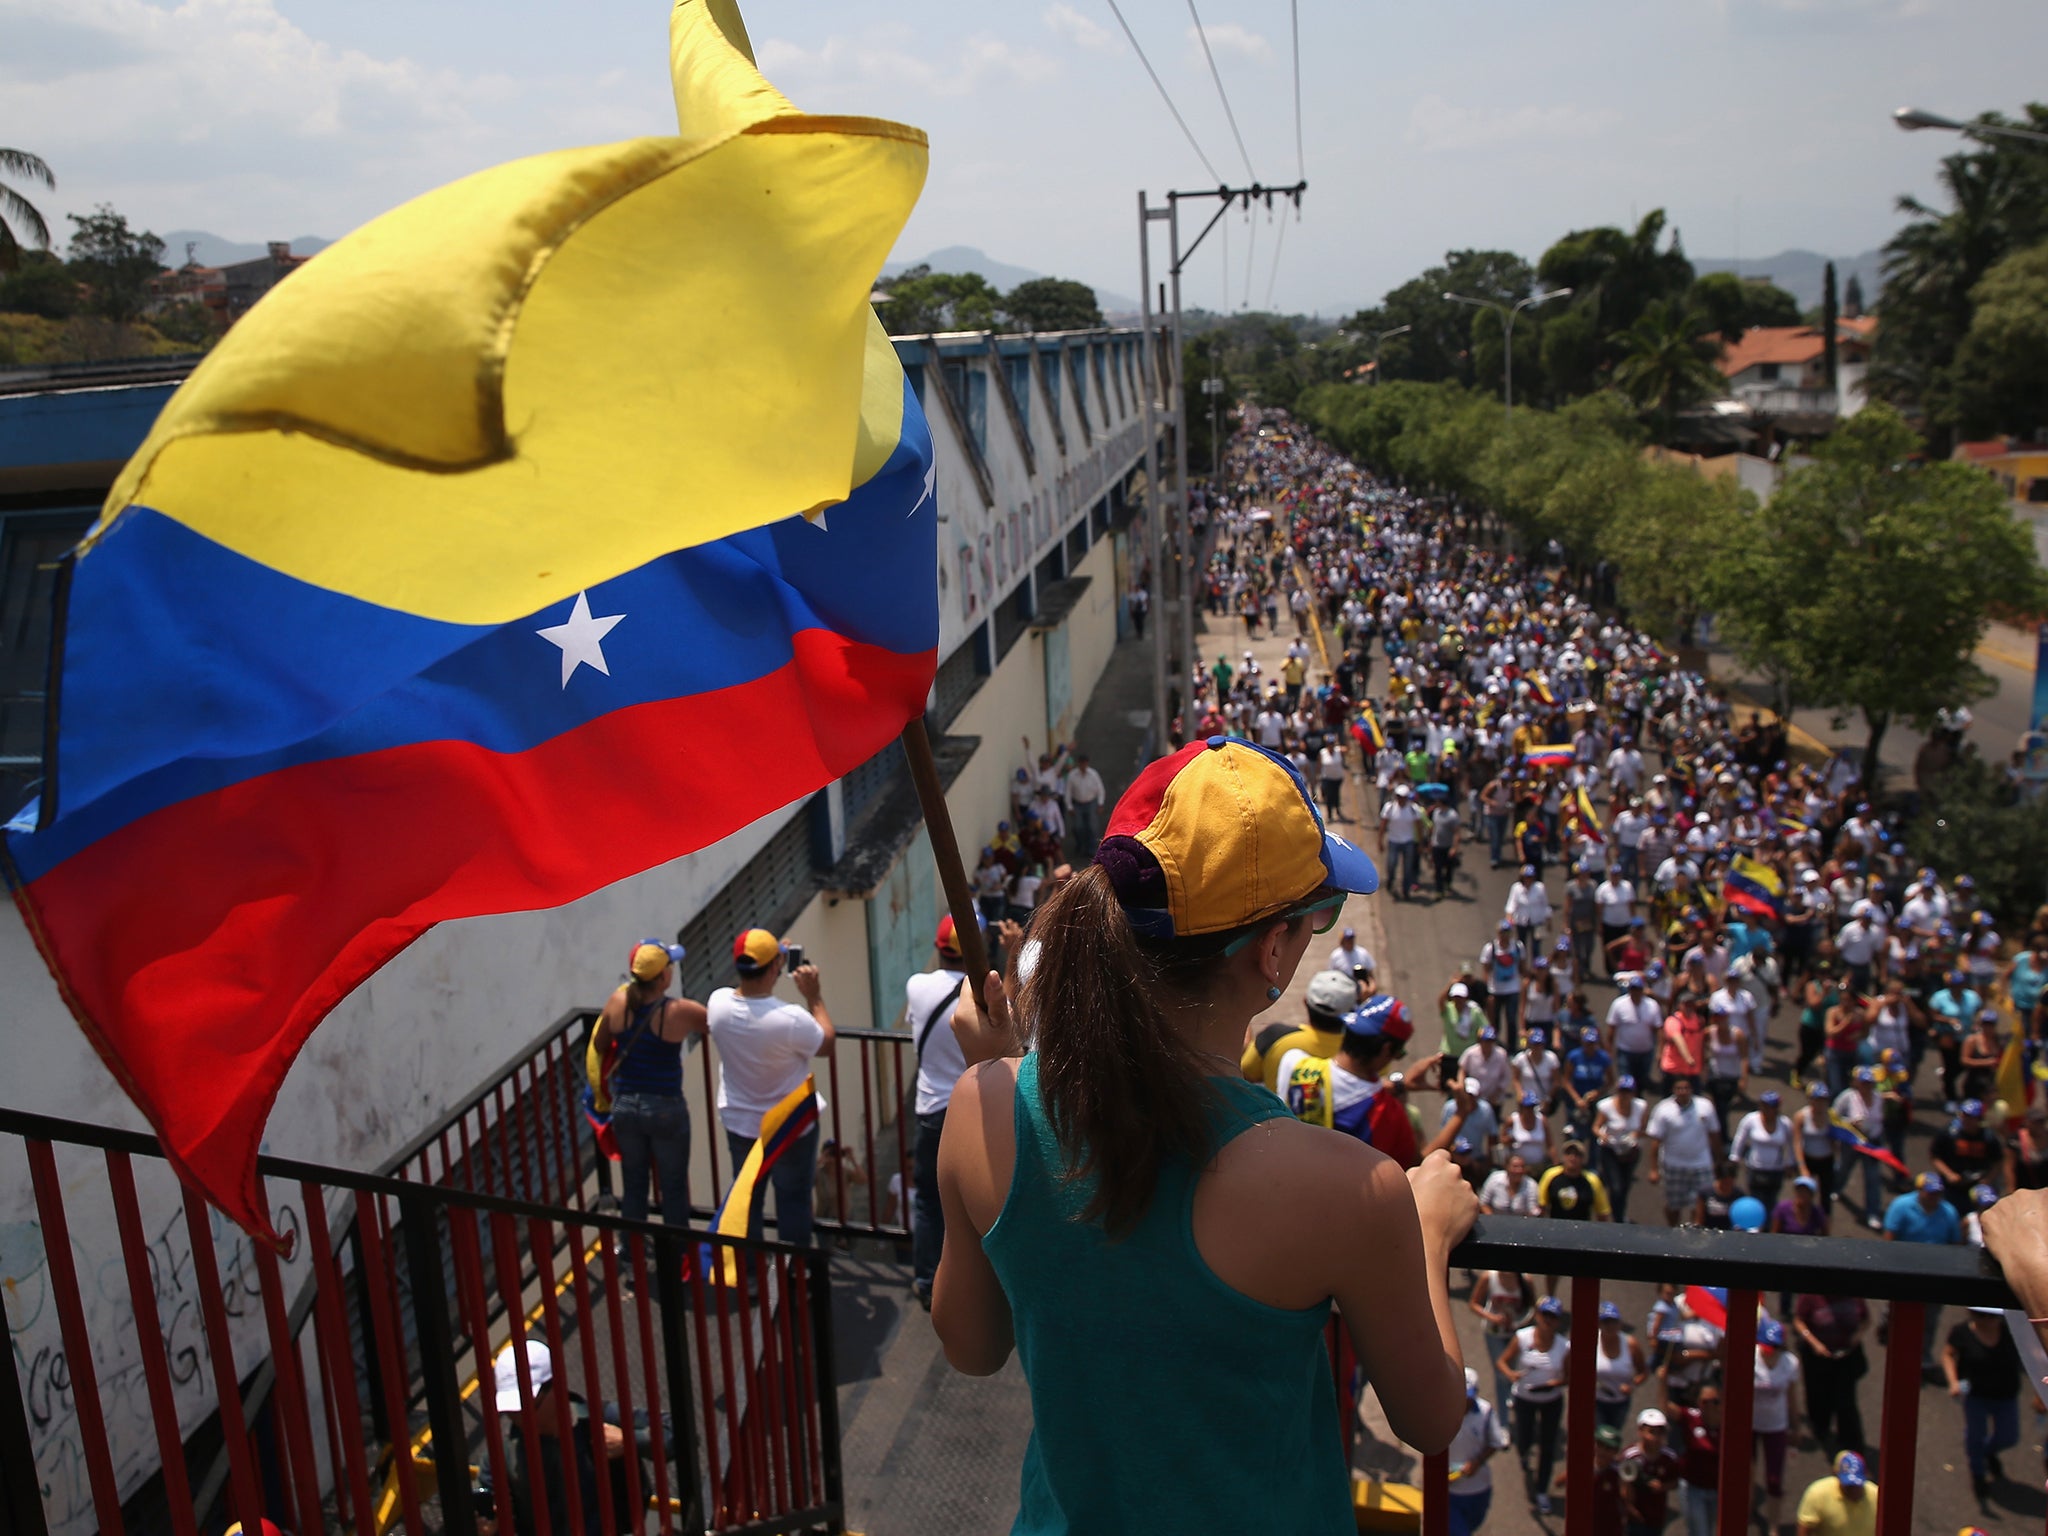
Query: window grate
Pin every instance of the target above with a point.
(768, 892)
(32, 544)
(959, 679)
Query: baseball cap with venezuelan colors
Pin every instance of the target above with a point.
(1218, 835)
(755, 950)
(651, 957)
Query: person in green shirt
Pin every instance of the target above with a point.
(1462, 1021)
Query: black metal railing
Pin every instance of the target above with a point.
(1748, 1266)
(522, 1133)
(713, 1356)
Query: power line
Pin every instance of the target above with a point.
(1163, 96)
(1274, 276)
(1294, 25)
(1251, 252)
(1223, 95)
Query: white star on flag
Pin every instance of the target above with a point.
(581, 638)
(931, 486)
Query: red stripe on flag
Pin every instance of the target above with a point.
(207, 940)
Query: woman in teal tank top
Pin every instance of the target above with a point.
(1160, 1241)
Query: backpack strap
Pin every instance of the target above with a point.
(931, 1022)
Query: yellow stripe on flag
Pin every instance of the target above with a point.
(2011, 1084)
(733, 1216)
(556, 370)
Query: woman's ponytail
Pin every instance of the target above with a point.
(1124, 1089)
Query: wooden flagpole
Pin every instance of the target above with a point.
(938, 821)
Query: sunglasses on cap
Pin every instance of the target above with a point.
(1331, 906)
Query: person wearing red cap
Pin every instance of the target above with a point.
(928, 1000)
(1131, 1207)
(1345, 1092)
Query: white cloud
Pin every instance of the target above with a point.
(1435, 124)
(1227, 37)
(1079, 30)
(882, 58)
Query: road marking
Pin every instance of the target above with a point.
(1993, 653)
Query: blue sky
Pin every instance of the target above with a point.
(1426, 126)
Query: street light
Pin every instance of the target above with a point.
(1399, 330)
(1509, 322)
(1913, 118)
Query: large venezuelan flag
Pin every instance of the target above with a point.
(481, 565)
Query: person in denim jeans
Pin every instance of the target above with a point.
(650, 1120)
(1983, 1370)
(765, 1048)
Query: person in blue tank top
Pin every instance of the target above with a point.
(649, 1116)
(1157, 1239)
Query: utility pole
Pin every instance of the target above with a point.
(1155, 495)
(1226, 198)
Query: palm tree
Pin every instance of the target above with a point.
(1996, 198)
(1668, 363)
(16, 210)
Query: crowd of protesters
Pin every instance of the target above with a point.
(1751, 915)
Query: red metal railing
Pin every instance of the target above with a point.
(1749, 1266)
(710, 1358)
(523, 1135)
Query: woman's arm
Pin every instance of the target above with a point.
(1506, 1363)
(684, 1017)
(1391, 1278)
(1472, 1300)
(970, 1311)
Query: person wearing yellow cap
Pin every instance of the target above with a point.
(650, 1118)
(765, 1047)
(1130, 1202)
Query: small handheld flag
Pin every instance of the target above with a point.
(1754, 886)
(781, 1128)
(1368, 728)
(1849, 1135)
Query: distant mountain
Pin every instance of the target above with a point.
(966, 258)
(213, 251)
(1799, 273)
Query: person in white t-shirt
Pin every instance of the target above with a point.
(1400, 827)
(765, 1048)
(1085, 795)
(928, 1002)
(1482, 1433)
(1509, 1191)
(1350, 957)
(1486, 1068)
(1687, 1134)
(1774, 1411)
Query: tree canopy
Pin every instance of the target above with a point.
(922, 301)
(1866, 581)
(2001, 368)
(1051, 304)
(1997, 195)
(113, 262)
